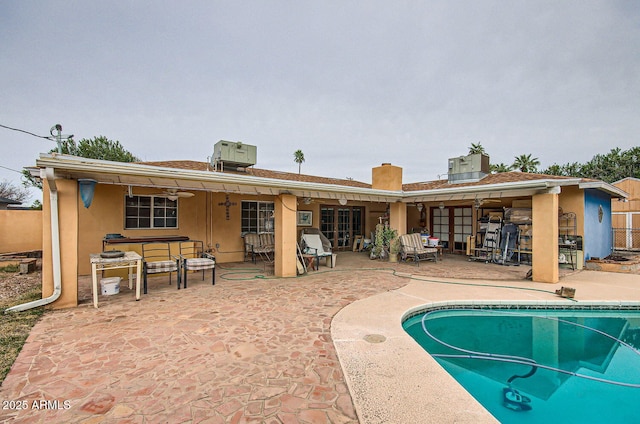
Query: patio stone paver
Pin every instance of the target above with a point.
(245, 350)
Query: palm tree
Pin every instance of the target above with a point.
(499, 167)
(525, 163)
(298, 157)
(476, 148)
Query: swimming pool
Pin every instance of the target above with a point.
(539, 365)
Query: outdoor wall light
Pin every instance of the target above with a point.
(420, 206)
(441, 205)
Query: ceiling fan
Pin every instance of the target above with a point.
(174, 194)
(482, 202)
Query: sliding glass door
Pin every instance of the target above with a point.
(452, 225)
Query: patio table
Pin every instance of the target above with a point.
(130, 260)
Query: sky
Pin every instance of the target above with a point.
(353, 84)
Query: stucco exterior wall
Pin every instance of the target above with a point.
(571, 199)
(20, 230)
(106, 215)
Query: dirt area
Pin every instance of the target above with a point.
(14, 284)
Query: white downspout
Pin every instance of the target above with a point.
(55, 249)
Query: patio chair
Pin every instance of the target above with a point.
(313, 245)
(259, 245)
(194, 258)
(156, 259)
(412, 248)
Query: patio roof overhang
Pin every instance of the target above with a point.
(141, 175)
(490, 191)
(612, 190)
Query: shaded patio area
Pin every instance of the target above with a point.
(249, 349)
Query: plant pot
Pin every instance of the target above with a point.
(393, 257)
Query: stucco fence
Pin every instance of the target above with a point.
(20, 231)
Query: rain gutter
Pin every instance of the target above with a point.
(49, 174)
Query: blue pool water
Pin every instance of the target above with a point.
(569, 366)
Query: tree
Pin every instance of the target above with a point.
(12, 192)
(566, 170)
(97, 148)
(298, 157)
(611, 167)
(499, 167)
(476, 148)
(525, 163)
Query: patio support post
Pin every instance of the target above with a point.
(285, 235)
(398, 217)
(544, 261)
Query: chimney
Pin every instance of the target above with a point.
(386, 177)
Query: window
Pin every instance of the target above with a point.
(150, 212)
(257, 217)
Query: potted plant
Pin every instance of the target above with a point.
(394, 249)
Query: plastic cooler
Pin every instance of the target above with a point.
(110, 286)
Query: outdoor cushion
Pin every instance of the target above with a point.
(413, 248)
(194, 258)
(198, 264)
(161, 266)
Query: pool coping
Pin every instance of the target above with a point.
(388, 374)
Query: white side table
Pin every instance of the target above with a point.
(130, 260)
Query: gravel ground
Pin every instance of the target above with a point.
(14, 284)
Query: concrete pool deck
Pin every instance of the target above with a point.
(386, 370)
(327, 347)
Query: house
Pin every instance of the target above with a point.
(85, 199)
(4, 203)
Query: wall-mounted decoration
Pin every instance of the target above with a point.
(305, 218)
(227, 203)
(600, 213)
